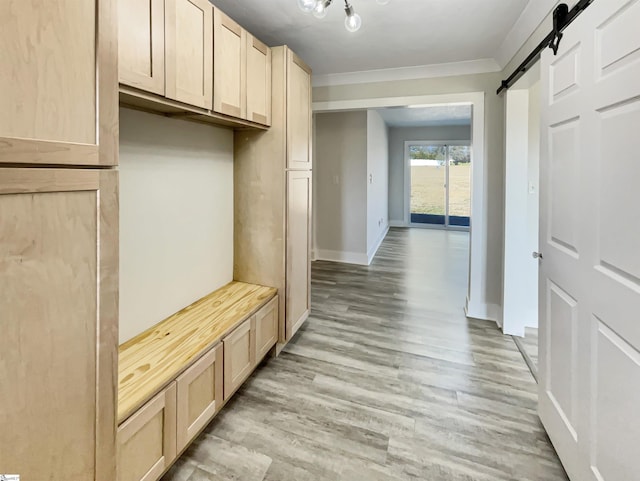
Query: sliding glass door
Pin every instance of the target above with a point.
(440, 183)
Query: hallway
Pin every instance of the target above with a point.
(386, 381)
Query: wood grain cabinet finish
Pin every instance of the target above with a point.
(147, 440)
(239, 356)
(141, 44)
(272, 195)
(298, 113)
(266, 320)
(58, 82)
(58, 311)
(258, 81)
(189, 52)
(200, 395)
(298, 247)
(229, 66)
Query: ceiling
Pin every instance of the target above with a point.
(427, 116)
(402, 33)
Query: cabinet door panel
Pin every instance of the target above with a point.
(200, 395)
(298, 113)
(266, 328)
(189, 51)
(147, 440)
(229, 74)
(298, 301)
(239, 356)
(53, 57)
(141, 44)
(258, 81)
(59, 231)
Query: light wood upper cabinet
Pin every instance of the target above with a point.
(200, 395)
(298, 113)
(147, 440)
(298, 301)
(189, 52)
(229, 67)
(59, 311)
(141, 44)
(58, 82)
(258, 81)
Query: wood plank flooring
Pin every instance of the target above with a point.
(388, 381)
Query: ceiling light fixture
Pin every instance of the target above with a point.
(318, 8)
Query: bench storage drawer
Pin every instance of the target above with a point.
(199, 395)
(239, 356)
(147, 440)
(266, 328)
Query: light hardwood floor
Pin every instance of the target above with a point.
(386, 381)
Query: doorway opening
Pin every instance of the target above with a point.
(520, 275)
(440, 183)
(479, 303)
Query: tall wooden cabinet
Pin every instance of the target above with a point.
(272, 195)
(58, 239)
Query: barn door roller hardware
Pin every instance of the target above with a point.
(562, 18)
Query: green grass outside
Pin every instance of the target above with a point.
(428, 193)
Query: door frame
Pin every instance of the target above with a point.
(407, 184)
(477, 305)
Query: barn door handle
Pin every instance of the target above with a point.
(537, 255)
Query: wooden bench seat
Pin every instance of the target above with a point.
(151, 360)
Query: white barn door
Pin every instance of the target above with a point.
(590, 240)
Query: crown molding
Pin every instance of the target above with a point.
(530, 19)
(469, 67)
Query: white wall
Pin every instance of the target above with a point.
(520, 292)
(533, 203)
(340, 187)
(397, 138)
(377, 182)
(176, 216)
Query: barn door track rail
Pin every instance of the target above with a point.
(562, 18)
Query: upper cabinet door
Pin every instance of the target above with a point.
(141, 44)
(298, 113)
(189, 51)
(229, 67)
(258, 81)
(58, 82)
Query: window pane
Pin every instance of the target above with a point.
(428, 174)
(460, 180)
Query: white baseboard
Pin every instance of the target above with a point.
(372, 252)
(397, 223)
(359, 258)
(481, 310)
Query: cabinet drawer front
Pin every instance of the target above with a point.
(266, 328)
(199, 395)
(239, 356)
(146, 441)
